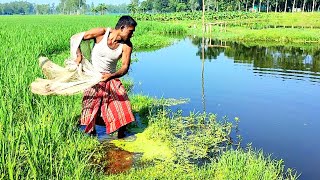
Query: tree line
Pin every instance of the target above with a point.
(163, 6)
(64, 7)
(159, 6)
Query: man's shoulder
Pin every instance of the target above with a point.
(128, 43)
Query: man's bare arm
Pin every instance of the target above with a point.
(96, 33)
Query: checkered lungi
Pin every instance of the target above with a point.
(113, 102)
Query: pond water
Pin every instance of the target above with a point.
(275, 91)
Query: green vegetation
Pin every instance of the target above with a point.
(39, 136)
(159, 6)
(196, 16)
(246, 27)
(39, 140)
(250, 165)
(198, 149)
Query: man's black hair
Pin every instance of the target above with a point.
(126, 21)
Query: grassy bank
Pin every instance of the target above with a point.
(39, 137)
(269, 27)
(196, 147)
(248, 27)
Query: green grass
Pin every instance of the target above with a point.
(251, 27)
(250, 165)
(171, 155)
(39, 138)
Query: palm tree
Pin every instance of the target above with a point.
(94, 10)
(102, 8)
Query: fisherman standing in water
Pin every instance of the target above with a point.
(107, 102)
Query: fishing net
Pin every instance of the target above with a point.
(71, 78)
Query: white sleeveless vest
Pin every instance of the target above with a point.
(103, 58)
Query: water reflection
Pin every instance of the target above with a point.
(202, 76)
(278, 61)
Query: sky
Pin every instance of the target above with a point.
(96, 2)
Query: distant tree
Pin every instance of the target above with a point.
(160, 5)
(246, 5)
(17, 7)
(71, 6)
(285, 6)
(42, 8)
(193, 4)
(102, 8)
(259, 9)
(121, 8)
(209, 4)
(172, 5)
(293, 5)
(304, 5)
(133, 6)
(313, 5)
(253, 3)
(181, 7)
(80, 6)
(1, 9)
(146, 5)
(94, 11)
(52, 9)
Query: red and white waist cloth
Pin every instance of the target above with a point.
(112, 100)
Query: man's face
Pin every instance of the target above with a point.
(127, 32)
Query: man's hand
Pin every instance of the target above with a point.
(106, 77)
(79, 59)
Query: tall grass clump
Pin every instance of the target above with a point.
(251, 164)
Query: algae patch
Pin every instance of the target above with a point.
(151, 149)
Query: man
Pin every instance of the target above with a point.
(107, 100)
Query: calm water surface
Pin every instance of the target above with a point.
(273, 90)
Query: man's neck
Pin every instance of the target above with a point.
(114, 35)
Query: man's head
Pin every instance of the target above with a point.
(126, 25)
(126, 21)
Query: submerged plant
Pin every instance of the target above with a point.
(194, 139)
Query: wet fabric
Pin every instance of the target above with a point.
(108, 100)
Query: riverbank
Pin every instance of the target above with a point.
(246, 27)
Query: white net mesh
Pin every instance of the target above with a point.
(67, 80)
